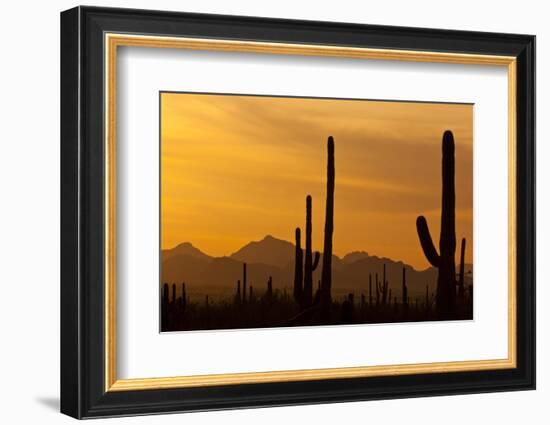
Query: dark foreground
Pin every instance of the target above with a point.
(280, 310)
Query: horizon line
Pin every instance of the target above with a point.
(284, 240)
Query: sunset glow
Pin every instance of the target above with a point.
(237, 168)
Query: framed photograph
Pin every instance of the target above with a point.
(261, 212)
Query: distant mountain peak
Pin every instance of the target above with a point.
(184, 245)
(271, 256)
(185, 248)
(355, 256)
(269, 250)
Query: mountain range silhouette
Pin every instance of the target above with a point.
(275, 257)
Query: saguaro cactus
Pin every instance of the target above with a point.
(404, 290)
(244, 282)
(382, 288)
(370, 289)
(445, 260)
(164, 310)
(310, 264)
(269, 292)
(298, 270)
(326, 275)
(165, 294)
(238, 294)
(377, 287)
(183, 296)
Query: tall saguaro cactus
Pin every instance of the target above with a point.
(326, 275)
(444, 261)
(298, 270)
(310, 264)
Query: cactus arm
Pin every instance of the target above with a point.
(315, 261)
(426, 241)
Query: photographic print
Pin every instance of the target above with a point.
(293, 211)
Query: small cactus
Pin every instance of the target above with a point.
(370, 289)
(382, 289)
(238, 294)
(165, 292)
(183, 296)
(298, 268)
(377, 289)
(269, 292)
(244, 283)
(404, 290)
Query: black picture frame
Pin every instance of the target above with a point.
(83, 392)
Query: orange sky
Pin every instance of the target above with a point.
(237, 168)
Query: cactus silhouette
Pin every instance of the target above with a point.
(164, 325)
(244, 283)
(347, 309)
(174, 293)
(370, 289)
(238, 294)
(461, 270)
(165, 294)
(404, 290)
(377, 287)
(310, 264)
(382, 289)
(298, 268)
(183, 296)
(326, 274)
(444, 261)
(269, 291)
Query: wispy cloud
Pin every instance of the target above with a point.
(241, 166)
